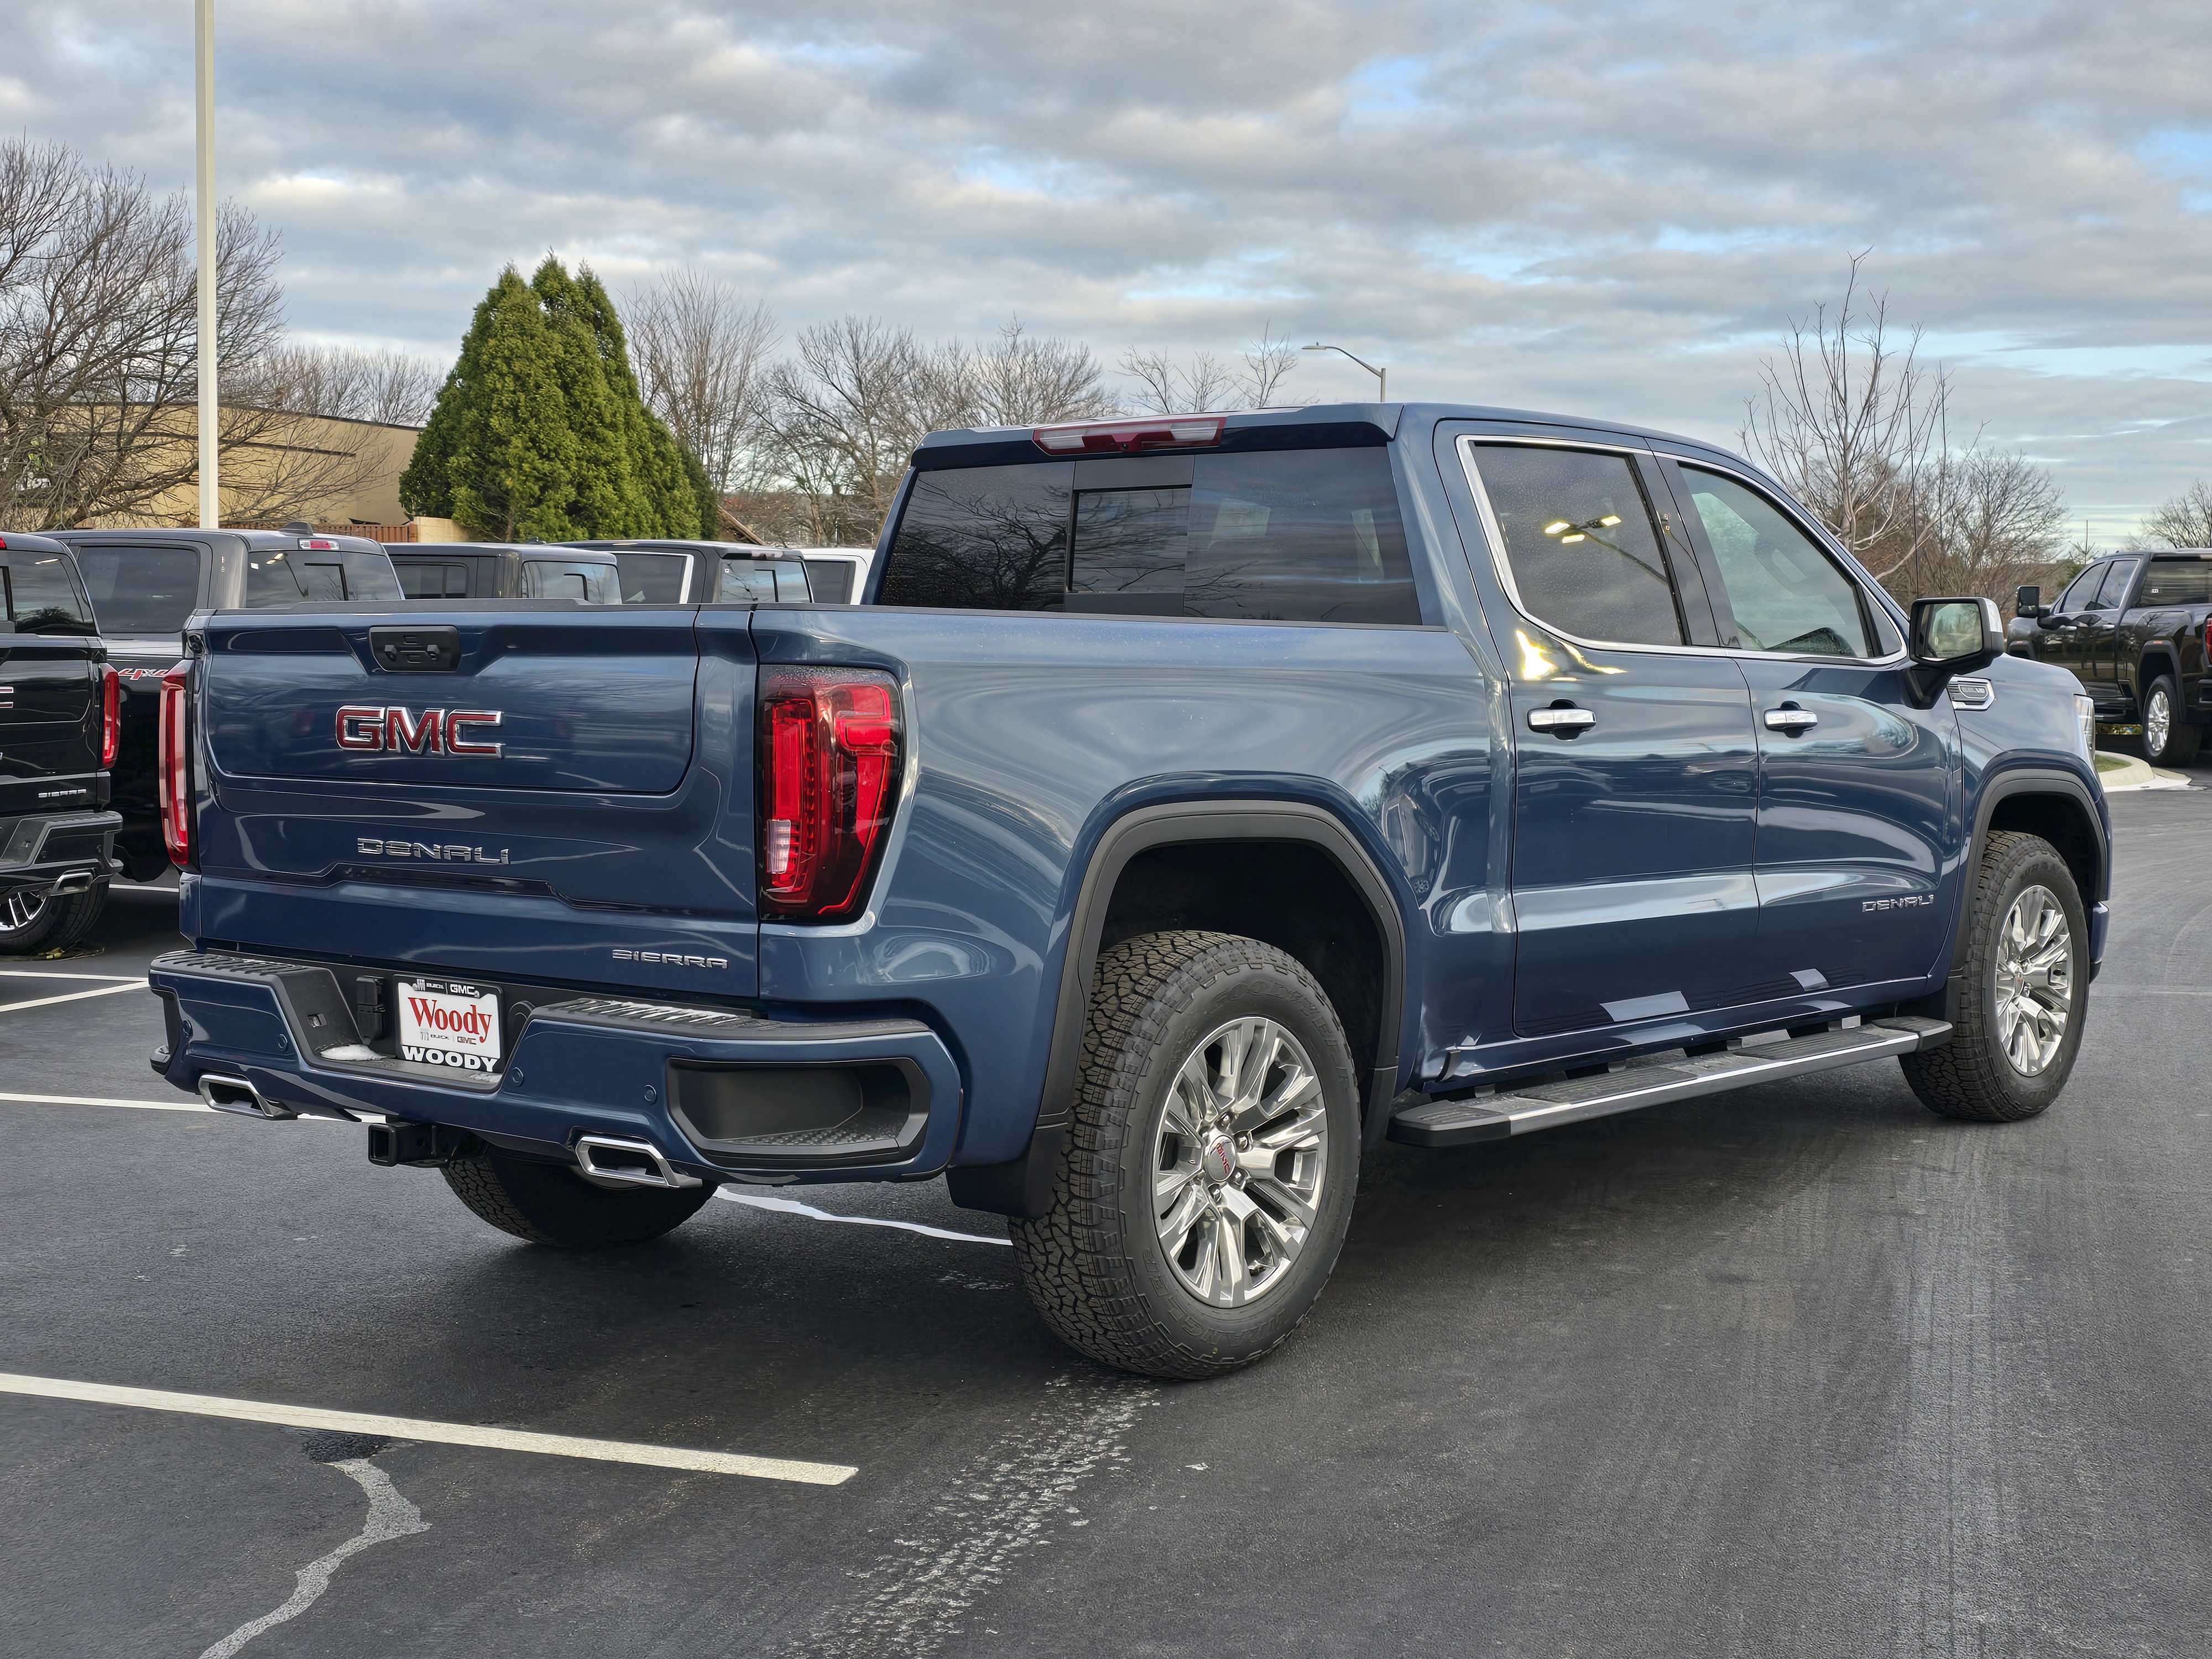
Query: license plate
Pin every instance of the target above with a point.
(443, 1024)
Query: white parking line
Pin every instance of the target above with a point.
(72, 996)
(183, 1105)
(793, 1206)
(40, 973)
(443, 1434)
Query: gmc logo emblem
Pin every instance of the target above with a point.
(400, 731)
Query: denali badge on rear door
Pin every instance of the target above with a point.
(442, 1023)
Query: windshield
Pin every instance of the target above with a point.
(141, 590)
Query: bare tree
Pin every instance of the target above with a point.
(701, 355)
(390, 388)
(2002, 525)
(1858, 428)
(1268, 361)
(2185, 520)
(1022, 380)
(845, 416)
(1205, 381)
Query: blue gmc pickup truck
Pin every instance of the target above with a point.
(1192, 803)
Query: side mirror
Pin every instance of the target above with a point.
(1949, 637)
(2028, 602)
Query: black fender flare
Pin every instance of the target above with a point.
(1024, 1186)
(1996, 790)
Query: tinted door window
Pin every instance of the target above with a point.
(1787, 593)
(2112, 591)
(1580, 542)
(2083, 589)
(1287, 535)
(2178, 581)
(141, 590)
(562, 579)
(44, 595)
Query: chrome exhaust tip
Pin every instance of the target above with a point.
(614, 1161)
(235, 1094)
(72, 881)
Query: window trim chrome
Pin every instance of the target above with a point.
(1501, 566)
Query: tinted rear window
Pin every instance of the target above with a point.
(832, 579)
(293, 575)
(141, 590)
(651, 578)
(763, 581)
(2178, 581)
(1287, 535)
(431, 580)
(44, 595)
(565, 578)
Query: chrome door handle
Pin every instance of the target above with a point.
(1561, 722)
(1792, 720)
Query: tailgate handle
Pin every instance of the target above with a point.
(434, 650)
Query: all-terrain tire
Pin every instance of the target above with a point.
(552, 1203)
(2177, 747)
(50, 924)
(1972, 1075)
(1094, 1264)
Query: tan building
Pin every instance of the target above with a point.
(335, 473)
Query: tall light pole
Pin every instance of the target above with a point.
(1382, 375)
(210, 404)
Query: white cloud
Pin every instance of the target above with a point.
(1603, 207)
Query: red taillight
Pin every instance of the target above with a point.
(1124, 437)
(111, 716)
(829, 782)
(318, 545)
(2208, 642)
(176, 765)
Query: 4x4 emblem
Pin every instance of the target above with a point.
(433, 732)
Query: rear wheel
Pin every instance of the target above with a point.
(42, 922)
(1207, 1181)
(2168, 738)
(2027, 977)
(553, 1203)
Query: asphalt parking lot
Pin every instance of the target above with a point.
(1801, 1370)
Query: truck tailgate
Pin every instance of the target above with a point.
(572, 800)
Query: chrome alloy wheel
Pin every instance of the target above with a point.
(2158, 722)
(1238, 1161)
(22, 909)
(2035, 980)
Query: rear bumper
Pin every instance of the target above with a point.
(52, 851)
(724, 1095)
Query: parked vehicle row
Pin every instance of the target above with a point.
(1190, 804)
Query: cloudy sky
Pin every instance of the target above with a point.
(1608, 207)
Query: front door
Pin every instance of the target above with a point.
(2098, 642)
(1634, 765)
(1858, 815)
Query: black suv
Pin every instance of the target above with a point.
(58, 722)
(144, 583)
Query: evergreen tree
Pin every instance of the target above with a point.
(540, 431)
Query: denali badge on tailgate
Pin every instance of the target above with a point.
(419, 849)
(375, 726)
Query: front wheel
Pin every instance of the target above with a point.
(1207, 1179)
(2026, 993)
(2168, 738)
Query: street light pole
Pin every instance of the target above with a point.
(210, 404)
(1382, 375)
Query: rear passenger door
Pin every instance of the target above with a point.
(1858, 818)
(49, 677)
(1635, 771)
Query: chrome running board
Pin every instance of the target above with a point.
(1427, 1121)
